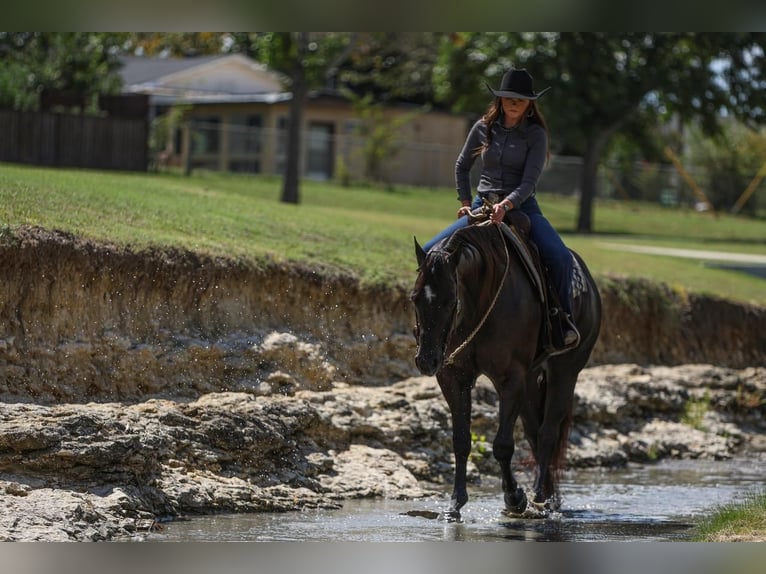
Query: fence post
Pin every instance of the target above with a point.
(749, 190)
(186, 147)
(688, 178)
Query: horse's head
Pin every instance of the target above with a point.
(435, 299)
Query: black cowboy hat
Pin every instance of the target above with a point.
(517, 84)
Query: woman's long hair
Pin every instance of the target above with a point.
(495, 111)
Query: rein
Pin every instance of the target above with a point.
(449, 360)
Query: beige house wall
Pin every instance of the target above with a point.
(427, 142)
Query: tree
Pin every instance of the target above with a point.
(175, 44)
(82, 64)
(308, 59)
(653, 75)
(393, 66)
(291, 181)
(603, 82)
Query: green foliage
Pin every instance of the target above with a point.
(392, 66)
(379, 132)
(744, 519)
(728, 163)
(318, 53)
(469, 59)
(174, 44)
(342, 172)
(15, 92)
(162, 130)
(605, 105)
(695, 410)
(479, 447)
(80, 63)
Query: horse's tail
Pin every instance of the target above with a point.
(557, 462)
(559, 456)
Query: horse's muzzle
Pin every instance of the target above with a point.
(428, 363)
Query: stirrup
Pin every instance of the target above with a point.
(571, 334)
(571, 338)
(566, 336)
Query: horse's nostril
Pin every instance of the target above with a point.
(427, 365)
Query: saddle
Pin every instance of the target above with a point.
(517, 232)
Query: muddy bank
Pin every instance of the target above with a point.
(81, 321)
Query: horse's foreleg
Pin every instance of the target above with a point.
(458, 398)
(510, 397)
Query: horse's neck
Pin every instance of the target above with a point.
(477, 282)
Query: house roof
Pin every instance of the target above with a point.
(209, 79)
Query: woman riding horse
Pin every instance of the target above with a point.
(512, 140)
(479, 312)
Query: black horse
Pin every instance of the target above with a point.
(478, 312)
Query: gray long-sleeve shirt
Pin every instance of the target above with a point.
(512, 164)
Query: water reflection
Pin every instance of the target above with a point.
(657, 502)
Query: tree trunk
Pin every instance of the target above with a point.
(589, 177)
(291, 182)
(588, 188)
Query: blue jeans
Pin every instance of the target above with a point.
(555, 255)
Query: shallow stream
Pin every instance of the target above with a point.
(662, 501)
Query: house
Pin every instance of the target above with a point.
(236, 115)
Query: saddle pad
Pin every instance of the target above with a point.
(579, 285)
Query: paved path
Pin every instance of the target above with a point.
(689, 253)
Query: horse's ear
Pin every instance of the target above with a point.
(419, 253)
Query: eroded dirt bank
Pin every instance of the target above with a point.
(136, 386)
(87, 322)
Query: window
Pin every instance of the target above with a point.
(206, 135)
(320, 150)
(245, 134)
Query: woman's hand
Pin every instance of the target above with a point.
(465, 210)
(499, 210)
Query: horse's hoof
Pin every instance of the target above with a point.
(516, 503)
(550, 504)
(452, 516)
(553, 504)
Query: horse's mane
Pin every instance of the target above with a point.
(482, 237)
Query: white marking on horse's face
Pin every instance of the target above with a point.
(429, 293)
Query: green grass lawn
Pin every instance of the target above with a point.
(367, 231)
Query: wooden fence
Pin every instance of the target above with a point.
(64, 140)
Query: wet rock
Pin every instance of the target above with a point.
(365, 472)
(111, 470)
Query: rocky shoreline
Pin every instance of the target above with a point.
(112, 471)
